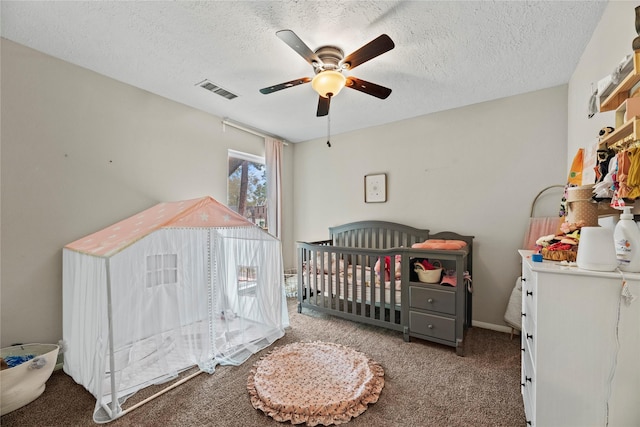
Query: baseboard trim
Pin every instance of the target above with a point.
(493, 327)
(59, 362)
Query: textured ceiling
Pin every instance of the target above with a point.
(447, 55)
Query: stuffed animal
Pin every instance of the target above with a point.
(387, 267)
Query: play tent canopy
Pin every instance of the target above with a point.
(178, 285)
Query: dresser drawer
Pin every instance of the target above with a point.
(430, 299)
(529, 290)
(528, 312)
(529, 343)
(528, 383)
(433, 326)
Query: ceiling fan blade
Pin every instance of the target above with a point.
(323, 106)
(295, 43)
(368, 87)
(275, 88)
(369, 51)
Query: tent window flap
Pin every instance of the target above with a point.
(162, 269)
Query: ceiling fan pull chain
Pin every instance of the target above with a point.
(329, 129)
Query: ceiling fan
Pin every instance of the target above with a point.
(328, 63)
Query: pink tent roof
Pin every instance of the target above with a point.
(202, 212)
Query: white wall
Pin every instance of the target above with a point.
(473, 170)
(81, 151)
(610, 43)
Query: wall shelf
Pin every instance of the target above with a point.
(621, 92)
(630, 128)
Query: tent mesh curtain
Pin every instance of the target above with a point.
(175, 299)
(291, 282)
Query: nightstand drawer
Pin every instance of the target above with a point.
(432, 299)
(432, 325)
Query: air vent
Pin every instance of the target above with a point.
(212, 87)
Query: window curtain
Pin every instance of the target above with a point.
(273, 160)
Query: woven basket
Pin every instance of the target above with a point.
(429, 276)
(559, 255)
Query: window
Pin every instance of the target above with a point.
(247, 187)
(162, 270)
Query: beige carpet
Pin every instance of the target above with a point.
(426, 384)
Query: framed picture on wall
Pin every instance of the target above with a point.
(375, 188)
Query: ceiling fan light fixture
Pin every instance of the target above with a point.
(328, 82)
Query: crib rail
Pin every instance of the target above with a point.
(376, 235)
(343, 279)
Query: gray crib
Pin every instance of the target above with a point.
(339, 277)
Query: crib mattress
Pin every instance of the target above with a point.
(342, 286)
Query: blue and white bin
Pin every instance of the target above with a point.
(30, 366)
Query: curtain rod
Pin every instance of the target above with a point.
(249, 130)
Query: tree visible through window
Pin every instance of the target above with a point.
(247, 187)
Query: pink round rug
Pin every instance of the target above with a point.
(314, 383)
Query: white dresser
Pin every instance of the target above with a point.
(580, 347)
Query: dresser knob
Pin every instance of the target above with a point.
(524, 279)
(530, 337)
(528, 423)
(529, 293)
(430, 326)
(523, 350)
(430, 300)
(523, 384)
(528, 379)
(523, 314)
